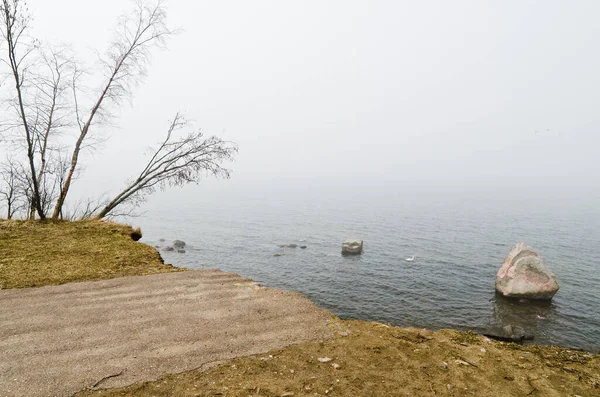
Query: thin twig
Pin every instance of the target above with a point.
(468, 362)
(105, 378)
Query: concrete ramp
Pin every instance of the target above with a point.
(57, 340)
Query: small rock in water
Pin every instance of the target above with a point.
(168, 249)
(516, 331)
(181, 251)
(178, 244)
(324, 359)
(288, 245)
(278, 254)
(352, 247)
(161, 240)
(509, 333)
(303, 247)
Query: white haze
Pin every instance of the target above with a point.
(383, 98)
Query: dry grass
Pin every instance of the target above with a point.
(370, 359)
(36, 253)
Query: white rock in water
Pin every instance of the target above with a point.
(524, 275)
(352, 247)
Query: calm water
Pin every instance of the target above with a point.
(459, 247)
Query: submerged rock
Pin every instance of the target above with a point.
(178, 244)
(352, 247)
(524, 275)
(509, 333)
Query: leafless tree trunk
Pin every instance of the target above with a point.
(176, 162)
(51, 107)
(14, 27)
(125, 66)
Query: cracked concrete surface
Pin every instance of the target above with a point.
(57, 340)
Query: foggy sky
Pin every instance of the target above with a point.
(458, 96)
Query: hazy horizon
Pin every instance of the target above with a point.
(463, 98)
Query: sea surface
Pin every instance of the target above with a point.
(458, 245)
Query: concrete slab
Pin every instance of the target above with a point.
(57, 340)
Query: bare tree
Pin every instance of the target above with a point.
(49, 102)
(15, 25)
(14, 187)
(8, 190)
(123, 68)
(176, 162)
(51, 107)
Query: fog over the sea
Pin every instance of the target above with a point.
(457, 98)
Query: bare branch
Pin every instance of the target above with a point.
(14, 187)
(15, 24)
(176, 163)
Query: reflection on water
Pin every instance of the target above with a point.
(531, 315)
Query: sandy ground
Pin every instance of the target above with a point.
(376, 360)
(57, 340)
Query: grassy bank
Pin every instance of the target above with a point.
(369, 359)
(36, 253)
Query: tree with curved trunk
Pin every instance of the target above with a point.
(124, 67)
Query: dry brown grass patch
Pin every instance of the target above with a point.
(37, 253)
